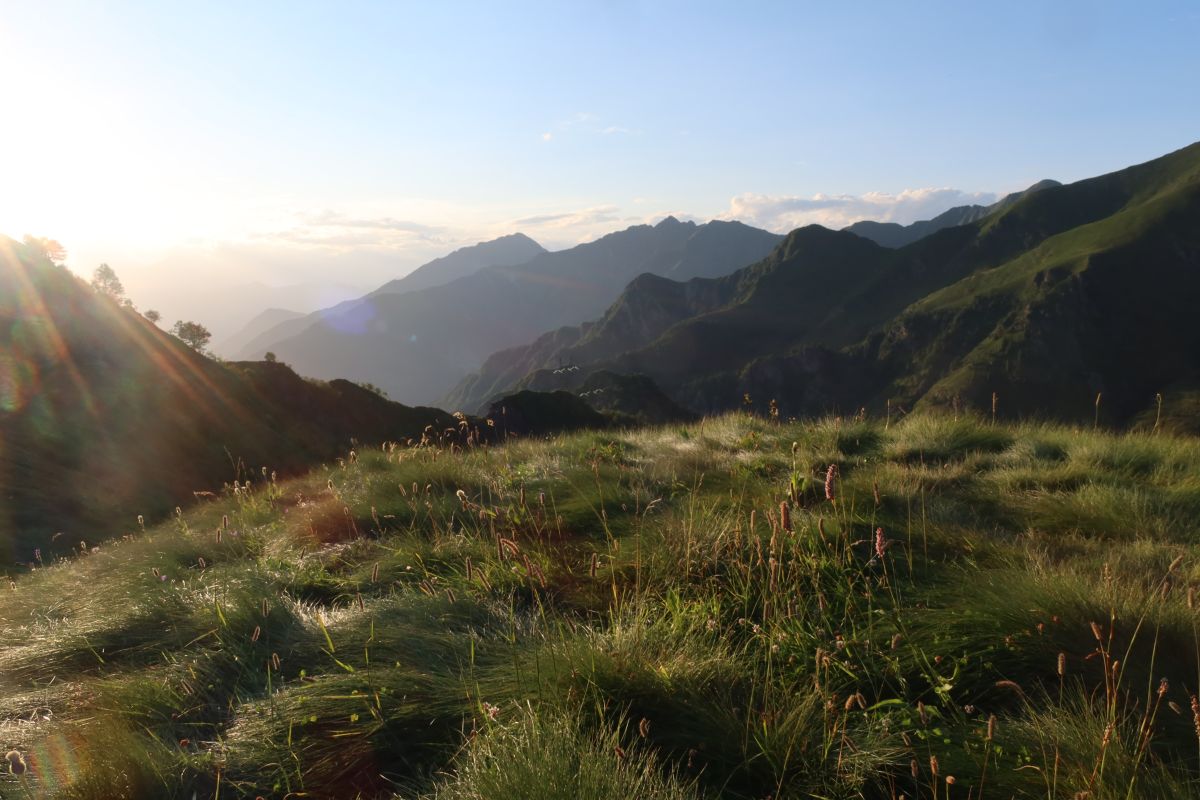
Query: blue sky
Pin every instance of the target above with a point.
(280, 141)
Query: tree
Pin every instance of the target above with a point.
(152, 315)
(48, 249)
(270, 357)
(106, 282)
(193, 334)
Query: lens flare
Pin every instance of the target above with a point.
(19, 381)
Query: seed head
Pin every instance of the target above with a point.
(831, 476)
(881, 543)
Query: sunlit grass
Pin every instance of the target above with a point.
(669, 613)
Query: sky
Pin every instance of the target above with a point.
(342, 144)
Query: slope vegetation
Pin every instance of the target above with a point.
(1066, 293)
(732, 609)
(103, 417)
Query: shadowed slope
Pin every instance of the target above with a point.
(104, 417)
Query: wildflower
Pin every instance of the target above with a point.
(933, 765)
(881, 544)
(831, 476)
(991, 727)
(1062, 664)
(785, 516)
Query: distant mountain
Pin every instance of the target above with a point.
(1054, 297)
(891, 234)
(104, 417)
(226, 309)
(506, 251)
(256, 327)
(418, 345)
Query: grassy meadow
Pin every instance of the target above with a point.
(957, 609)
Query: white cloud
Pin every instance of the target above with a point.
(783, 213)
(571, 219)
(586, 122)
(331, 230)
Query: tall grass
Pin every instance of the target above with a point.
(934, 608)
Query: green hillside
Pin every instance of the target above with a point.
(970, 609)
(105, 418)
(1055, 297)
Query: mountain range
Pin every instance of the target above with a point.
(1053, 297)
(417, 344)
(1071, 301)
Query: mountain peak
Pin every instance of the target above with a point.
(505, 251)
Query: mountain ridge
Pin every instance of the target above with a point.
(823, 323)
(892, 234)
(418, 345)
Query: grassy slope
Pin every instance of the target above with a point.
(623, 614)
(103, 417)
(1094, 275)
